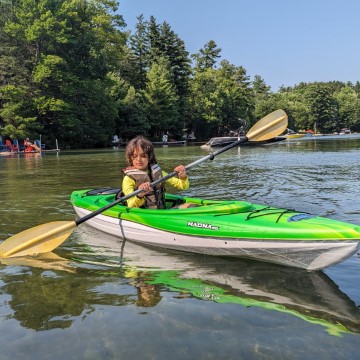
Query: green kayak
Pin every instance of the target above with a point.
(225, 228)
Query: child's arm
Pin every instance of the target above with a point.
(128, 187)
(180, 184)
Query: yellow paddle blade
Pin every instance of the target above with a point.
(39, 239)
(269, 126)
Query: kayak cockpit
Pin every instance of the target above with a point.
(95, 198)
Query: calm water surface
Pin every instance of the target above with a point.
(96, 297)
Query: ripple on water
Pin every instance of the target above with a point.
(96, 288)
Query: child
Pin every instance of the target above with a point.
(143, 170)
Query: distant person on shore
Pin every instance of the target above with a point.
(29, 146)
(143, 170)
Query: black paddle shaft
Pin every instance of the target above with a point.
(154, 183)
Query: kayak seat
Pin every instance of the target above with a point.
(170, 203)
(174, 203)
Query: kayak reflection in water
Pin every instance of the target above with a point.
(310, 296)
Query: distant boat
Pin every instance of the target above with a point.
(291, 134)
(294, 136)
(226, 140)
(167, 143)
(311, 133)
(345, 131)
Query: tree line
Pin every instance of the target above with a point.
(69, 71)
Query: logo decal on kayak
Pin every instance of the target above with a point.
(202, 225)
(299, 217)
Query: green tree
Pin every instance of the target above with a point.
(323, 110)
(132, 118)
(162, 100)
(203, 103)
(357, 88)
(69, 48)
(152, 42)
(235, 95)
(140, 45)
(16, 104)
(219, 97)
(173, 49)
(207, 57)
(349, 109)
(156, 48)
(260, 89)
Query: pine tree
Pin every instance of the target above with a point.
(173, 49)
(139, 44)
(207, 56)
(162, 100)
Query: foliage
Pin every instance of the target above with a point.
(162, 100)
(220, 97)
(68, 47)
(207, 56)
(349, 109)
(131, 106)
(69, 72)
(323, 108)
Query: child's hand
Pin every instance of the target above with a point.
(181, 172)
(145, 187)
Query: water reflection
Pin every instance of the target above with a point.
(46, 299)
(311, 296)
(53, 290)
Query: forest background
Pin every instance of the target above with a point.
(69, 71)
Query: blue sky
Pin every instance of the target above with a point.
(283, 41)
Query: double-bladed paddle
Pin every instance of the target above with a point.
(46, 237)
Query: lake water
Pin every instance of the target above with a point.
(96, 297)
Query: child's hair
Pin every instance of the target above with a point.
(145, 145)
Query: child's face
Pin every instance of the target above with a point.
(140, 159)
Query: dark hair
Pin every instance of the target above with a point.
(145, 145)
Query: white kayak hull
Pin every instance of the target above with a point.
(310, 255)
